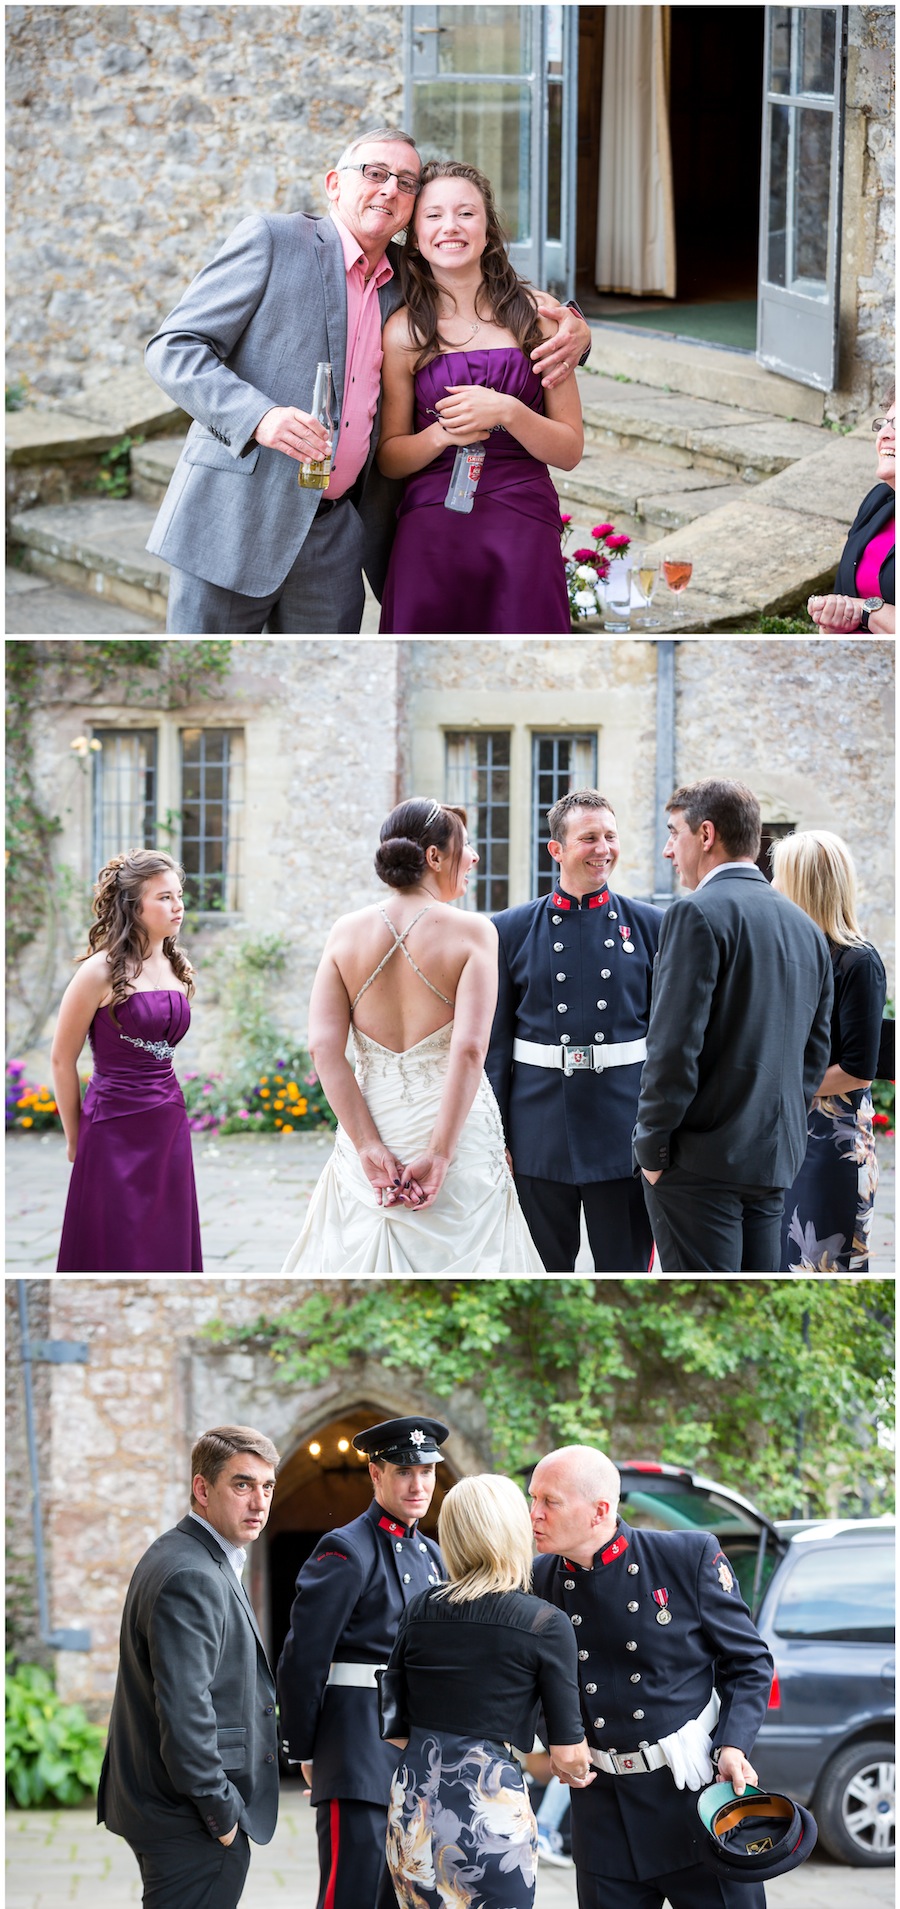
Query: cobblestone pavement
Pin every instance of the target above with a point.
(253, 1192)
(63, 1861)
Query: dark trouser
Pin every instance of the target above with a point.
(322, 593)
(618, 1229)
(701, 1226)
(353, 1871)
(698, 1888)
(194, 1871)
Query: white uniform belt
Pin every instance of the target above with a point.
(360, 1676)
(574, 1059)
(649, 1756)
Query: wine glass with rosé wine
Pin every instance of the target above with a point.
(677, 569)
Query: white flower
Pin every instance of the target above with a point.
(587, 572)
(585, 599)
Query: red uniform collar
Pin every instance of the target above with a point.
(608, 1555)
(396, 1530)
(560, 900)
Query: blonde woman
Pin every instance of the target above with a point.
(479, 1657)
(828, 1210)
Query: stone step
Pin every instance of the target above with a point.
(35, 606)
(731, 441)
(96, 545)
(637, 491)
(152, 465)
(700, 371)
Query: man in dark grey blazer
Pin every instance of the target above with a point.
(249, 548)
(191, 1766)
(738, 1043)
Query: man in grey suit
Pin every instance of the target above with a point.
(738, 1043)
(249, 548)
(191, 1766)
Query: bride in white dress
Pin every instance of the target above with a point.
(418, 1182)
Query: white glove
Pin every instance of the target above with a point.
(687, 1754)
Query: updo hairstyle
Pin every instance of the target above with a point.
(118, 928)
(408, 831)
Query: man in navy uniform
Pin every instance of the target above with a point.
(351, 1594)
(674, 1678)
(567, 1045)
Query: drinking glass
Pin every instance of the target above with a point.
(646, 578)
(677, 568)
(617, 596)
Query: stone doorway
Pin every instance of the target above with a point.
(716, 133)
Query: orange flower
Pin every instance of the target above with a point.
(26, 1121)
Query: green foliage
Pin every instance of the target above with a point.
(286, 1098)
(782, 626)
(777, 1388)
(114, 475)
(53, 1751)
(17, 394)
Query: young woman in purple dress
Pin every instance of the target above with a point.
(457, 371)
(132, 1206)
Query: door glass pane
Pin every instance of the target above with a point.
(780, 51)
(484, 39)
(818, 29)
(487, 124)
(813, 193)
(778, 195)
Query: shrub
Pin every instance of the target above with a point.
(53, 1751)
(27, 1106)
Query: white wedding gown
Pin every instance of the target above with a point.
(475, 1224)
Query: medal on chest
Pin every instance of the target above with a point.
(627, 943)
(661, 1597)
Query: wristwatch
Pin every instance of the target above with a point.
(870, 605)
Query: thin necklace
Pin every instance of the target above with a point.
(475, 327)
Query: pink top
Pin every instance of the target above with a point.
(362, 371)
(869, 565)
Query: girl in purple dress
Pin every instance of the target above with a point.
(457, 371)
(132, 1206)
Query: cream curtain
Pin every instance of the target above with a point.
(636, 214)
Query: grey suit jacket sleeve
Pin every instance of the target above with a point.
(185, 357)
(186, 1641)
(684, 979)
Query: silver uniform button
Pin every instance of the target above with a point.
(423, 1547)
(406, 1577)
(599, 1035)
(637, 1715)
(564, 1040)
(562, 1007)
(634, 1607)
(609, 944)
(599, 1722)
(556, 919)
(591, 1690)
(605, 973)
(612, 915)
(630, 1646)
(582, 1655)
(560, 977)
(398, 1547)
(557, 947)
(635, 1677)
(633, 1570)
(576, 1620)
(569, 1584)
(601, 1004)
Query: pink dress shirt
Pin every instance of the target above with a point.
(869, 566)
(362, 371)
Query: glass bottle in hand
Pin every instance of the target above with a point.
(314, 472)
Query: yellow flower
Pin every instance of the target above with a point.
(301, 1107)
(279, 1123)
(26, 1121)
(264, 1093)
(263, 1079)
(278, 1077)
(286, 1126)
(292, 1090)
(278, 1106)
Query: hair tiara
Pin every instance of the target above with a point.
(432, 816)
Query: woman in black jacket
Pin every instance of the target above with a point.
(480, 1658)
(864, 595)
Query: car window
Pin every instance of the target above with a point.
(840, 1593)
(674, 1505)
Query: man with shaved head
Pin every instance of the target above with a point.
(674, 1680)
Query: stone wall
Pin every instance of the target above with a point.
(23, 1635)
(867, 330)
(138, 136)
(118, 1431)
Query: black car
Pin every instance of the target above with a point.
(828, 1739)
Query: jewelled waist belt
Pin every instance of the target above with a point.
(571, 1060)
(359, 1676)
(649, 1756)
(160, 1050)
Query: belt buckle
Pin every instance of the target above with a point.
(577, 1058)
(624, 1762)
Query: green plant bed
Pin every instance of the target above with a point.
(53, 1751)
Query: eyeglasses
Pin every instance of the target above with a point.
(885, 424)
(379, 175)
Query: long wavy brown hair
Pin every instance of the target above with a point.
(502, 292)
(118, 928)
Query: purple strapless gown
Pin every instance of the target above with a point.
(132, 1205)
(497, 570)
